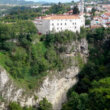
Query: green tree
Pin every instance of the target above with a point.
(14, 106)
(93, 11)
(75, 10)
(87, 22)
(58, 8)
(100, 95)
(76, 102)
(45, 105)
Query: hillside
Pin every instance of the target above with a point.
(57, 71)
(36, 66)
(17, 2)
(102, 1)
(92, 92)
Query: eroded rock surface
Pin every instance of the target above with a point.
(54, 86)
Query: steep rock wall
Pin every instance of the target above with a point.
(54, 86)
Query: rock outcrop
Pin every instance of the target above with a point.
(54, 86)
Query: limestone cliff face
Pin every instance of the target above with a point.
(54, 86)
(10, 92)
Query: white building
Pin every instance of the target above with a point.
(57, 23)
(88, 9)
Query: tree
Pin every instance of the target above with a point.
(75, 10)
(58, 8)
(88, 22)
(45, 105)
(100, 95)
(14, 106)
(93, 11)
(76, 102)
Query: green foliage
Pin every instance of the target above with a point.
(52, 56)
(75, 10)
(93, 11)
(79, 61)
(45, 105)
(28, 56)
(87, 22)
(100, 94)
(61, 37)
(76, 102)
(14, 106)
(83, 33)
(36, 97)
(94, 77)
(1, 99)
(57, 9)
(21, 13)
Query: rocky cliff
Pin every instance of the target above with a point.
(54, 86)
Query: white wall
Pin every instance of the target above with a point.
(45, 26)
(61, 25)
(88, 9)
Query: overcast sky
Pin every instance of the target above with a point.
(53, 0)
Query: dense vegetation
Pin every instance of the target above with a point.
(27, 56)
(93, 89)
(12, 14)
(21, 13)
(58, 9)
(18, 2)
(76, 10)
(43, 105)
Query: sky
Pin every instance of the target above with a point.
(52, 0)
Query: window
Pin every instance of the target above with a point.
(61, 23)
(52, 24)
(65, 23)
(57, 23)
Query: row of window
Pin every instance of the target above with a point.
(62, 24)
(62, 28)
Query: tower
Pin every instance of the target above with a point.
(81, 6)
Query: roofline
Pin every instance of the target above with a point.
(60, 15)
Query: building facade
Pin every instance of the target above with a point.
(57, 23)
(88, 9)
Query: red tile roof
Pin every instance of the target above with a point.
(107, 14)
(95, 26)
(54, 17)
